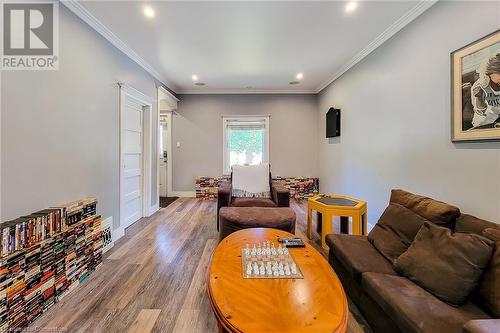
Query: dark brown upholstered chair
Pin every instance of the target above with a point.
(237, 218)
(393, 303)
(280, 197)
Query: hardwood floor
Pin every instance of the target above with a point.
(153, 280)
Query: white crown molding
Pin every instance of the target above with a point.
(168, 93)
(240, 91)
(98, 26)
(402, 22)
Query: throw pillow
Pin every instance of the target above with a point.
(489, 285)
(446, 265)
(251, 181)
(395, 231)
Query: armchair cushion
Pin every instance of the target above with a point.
(252, 202)
(251, 181)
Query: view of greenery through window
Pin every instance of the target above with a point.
(246, 146)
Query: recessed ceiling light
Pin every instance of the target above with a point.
(299, 76)
(293, 82)
(194, 77)
(351, 6)
(200, 84)
(148, 12)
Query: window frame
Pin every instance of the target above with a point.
(226, 168)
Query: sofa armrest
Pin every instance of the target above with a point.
(482, 326)
(223, 197)
(280, 194)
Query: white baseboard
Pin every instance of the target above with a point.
(153, 209)
(118, 233)
(183, 194)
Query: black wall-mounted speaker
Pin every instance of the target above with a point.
(333, 123)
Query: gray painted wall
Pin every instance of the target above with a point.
(60, 129)
(396, 119)
(198, 127)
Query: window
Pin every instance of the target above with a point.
(246, 141)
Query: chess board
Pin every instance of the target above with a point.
(269, 264)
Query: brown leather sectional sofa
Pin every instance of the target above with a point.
(393, 303)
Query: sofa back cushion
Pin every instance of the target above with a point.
(472, 224)
(395, 231)
(251, 181)
(435, 211)
(445, 264)
(489, 285)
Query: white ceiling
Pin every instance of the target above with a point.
(247, 46)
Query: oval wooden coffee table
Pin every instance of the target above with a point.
(316, 303)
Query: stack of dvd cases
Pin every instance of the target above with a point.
(70, 260)
(59, 265)
(98, 241)
(81, 260)
(48, 276)
(15, 291)
(33, 294)
(43, 256)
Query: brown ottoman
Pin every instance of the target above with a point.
(237, 218)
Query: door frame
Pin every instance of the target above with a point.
(168, 146)
(147, 116)
(165, 94)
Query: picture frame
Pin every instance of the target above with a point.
(475, 90)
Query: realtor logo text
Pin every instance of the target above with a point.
(30, 36)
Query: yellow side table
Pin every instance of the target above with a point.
(336, 205)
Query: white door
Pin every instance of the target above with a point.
(132, 160)
(163, 159)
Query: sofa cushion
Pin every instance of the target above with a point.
(448, 266)
(433, 210)
(357, 255)
(489, 285)
(414, 309)
(471, 224)
(252, 202)
(395, 230)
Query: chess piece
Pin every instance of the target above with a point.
(247, 251)
(280, 250)
(287, 270)
(293, 268)
(281, 271)
(262, 269)
(259, 251)
(249, 269)
(285, 251)
(254, 251)
(273, 250)
(276, 273)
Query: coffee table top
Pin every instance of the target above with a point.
(336, 201)
(316, 303)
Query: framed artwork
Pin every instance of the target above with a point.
(475, 90)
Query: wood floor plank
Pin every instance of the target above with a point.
(154, 279)
(144, 321)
